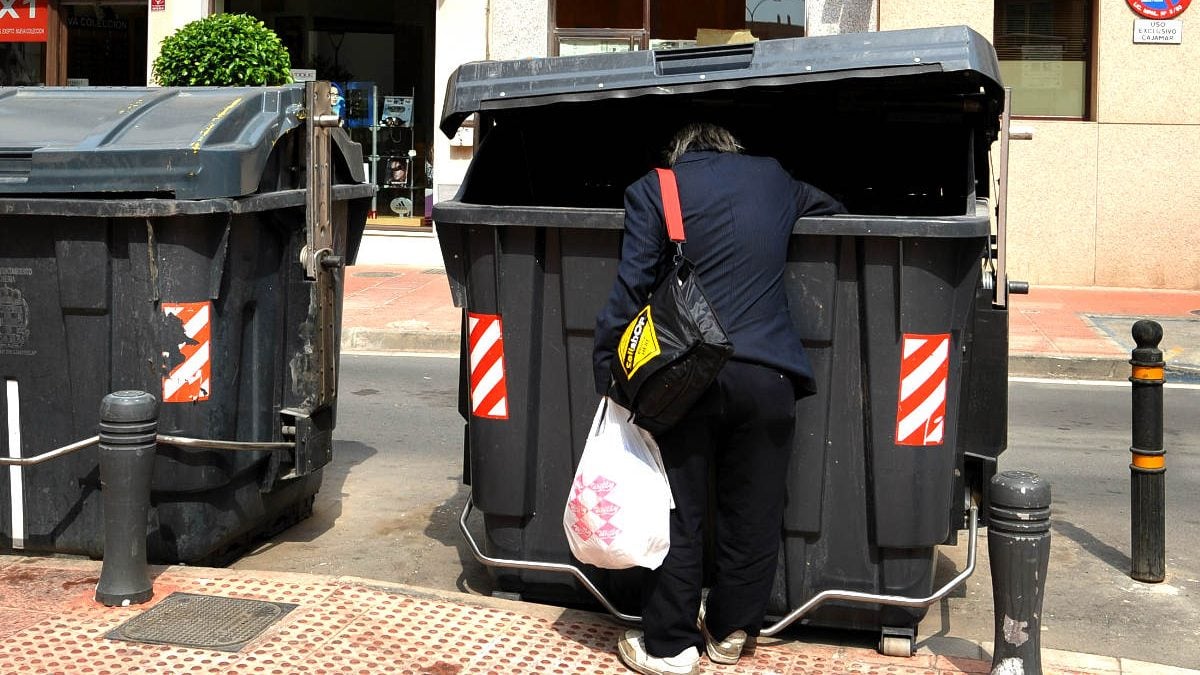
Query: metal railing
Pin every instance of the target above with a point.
(540, 567)
(773, 629)
(897, 600)
(180, 441)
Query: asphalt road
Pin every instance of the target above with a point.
(1077, 437)
(390, 502)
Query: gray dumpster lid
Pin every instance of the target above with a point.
(193, 143)
(932, 52)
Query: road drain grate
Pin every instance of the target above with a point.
(202, 622)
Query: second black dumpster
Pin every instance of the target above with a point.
(187, 243)
(893, 301)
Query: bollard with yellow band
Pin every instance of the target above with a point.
(1147, 471)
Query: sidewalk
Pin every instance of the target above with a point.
(1081, 333)
(1085, 332)
(49, 622)
(303, 623)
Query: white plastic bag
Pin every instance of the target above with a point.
(619, 508)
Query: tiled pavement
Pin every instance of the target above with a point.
(49, 623)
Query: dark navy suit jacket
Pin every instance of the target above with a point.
(738, 214)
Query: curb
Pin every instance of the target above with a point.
(1068, 367)
(357, 339)
(1111, 369)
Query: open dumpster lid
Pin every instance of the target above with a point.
(935, 54)
(192, 143)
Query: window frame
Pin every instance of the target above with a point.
(1090, 78)
(638, 38)
(643, 35)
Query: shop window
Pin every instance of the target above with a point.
(1045, 52)
(590, 14)
(22, 63)
(106, 43)
(584, 26)
(571, 41)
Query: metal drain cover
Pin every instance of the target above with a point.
(202, 621)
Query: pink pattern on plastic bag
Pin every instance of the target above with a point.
(578, 508)
(605, 509)
(585, 533)
(608, 533)
(602, 486)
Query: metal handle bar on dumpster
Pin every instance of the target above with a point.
(185, 442)
(813, 602)
(899, 600)
(1002, 286)
(181, 441)
(64, 450)
(540, 567)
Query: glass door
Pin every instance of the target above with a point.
(26, 30)
(22, 63)
(106, 42)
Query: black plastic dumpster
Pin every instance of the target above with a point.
(173, 241)
(894, 301)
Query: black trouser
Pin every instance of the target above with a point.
(742, 428)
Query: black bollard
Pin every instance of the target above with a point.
(1148, 470)
(1019, 548)
(128, 440)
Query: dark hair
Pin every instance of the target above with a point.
(701, 136)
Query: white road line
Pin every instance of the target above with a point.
(1014, 378)
(1094, 383)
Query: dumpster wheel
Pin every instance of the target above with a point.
(895, 645)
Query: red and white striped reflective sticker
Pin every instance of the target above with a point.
(191, 380)
(924, 371)
(489, 392)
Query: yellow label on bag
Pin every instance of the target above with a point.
(639, 343)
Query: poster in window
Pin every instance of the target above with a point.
(291, 32)
(24, 21)
(1041, 67)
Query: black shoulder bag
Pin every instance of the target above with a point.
(673, 349)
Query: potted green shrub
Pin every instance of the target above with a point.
(223, 50)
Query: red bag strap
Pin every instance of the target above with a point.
(671, 209)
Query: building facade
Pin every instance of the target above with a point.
(1098, 196)
(379, 52)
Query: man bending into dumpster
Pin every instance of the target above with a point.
(738, 214)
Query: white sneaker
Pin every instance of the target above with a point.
(726, 651)
(632, 650)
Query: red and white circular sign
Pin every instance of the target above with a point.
(1159, 9)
